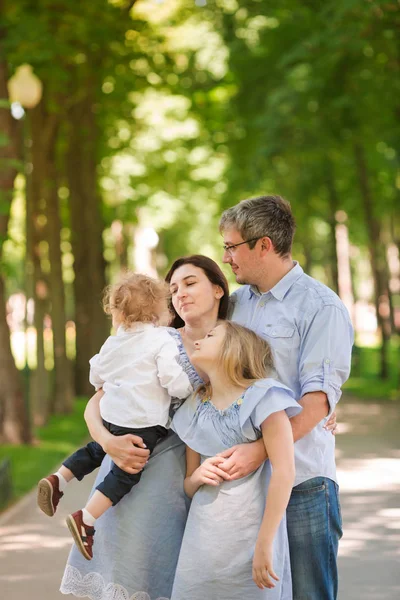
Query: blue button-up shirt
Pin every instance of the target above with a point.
(311, 336)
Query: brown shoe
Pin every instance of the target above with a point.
(82, 534)
(49, 495)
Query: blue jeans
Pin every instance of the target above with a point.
(314, 526)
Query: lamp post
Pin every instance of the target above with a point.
(25, 92)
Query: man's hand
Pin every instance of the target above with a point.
(128, 452)
(331, 424)
(243, 459)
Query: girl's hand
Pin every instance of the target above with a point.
(331, 424)
(263, 569)
(209, 472)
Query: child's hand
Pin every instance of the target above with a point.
(263, 569)
(209, 472)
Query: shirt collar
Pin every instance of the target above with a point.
(134, 328)
(280, 290)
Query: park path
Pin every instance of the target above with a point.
(34, 548)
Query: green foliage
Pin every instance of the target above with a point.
(197, 108)
(59, 438)
(365, 381)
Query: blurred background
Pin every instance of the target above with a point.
(126, 127)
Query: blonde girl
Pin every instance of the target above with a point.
(235, 544)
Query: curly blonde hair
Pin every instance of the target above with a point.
(245, 357)
(138, 298)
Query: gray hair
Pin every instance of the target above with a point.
(265, 216)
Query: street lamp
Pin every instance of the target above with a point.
(24, 88)
(25, 92)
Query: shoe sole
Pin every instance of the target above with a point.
(77, 538)
(45, 497)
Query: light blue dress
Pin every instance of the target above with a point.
(137, 542)
(215, 561)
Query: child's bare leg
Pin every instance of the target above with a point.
(66, 473)
(97, 505)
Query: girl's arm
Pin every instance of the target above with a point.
(198, 475)
(243, 459)
(123, 449)
(278, 440)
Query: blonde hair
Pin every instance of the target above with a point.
(138, 298)
(245, 357)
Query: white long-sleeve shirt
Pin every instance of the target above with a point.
(139, 373)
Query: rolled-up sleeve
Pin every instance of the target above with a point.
(94, 376)
(170, 373)
(325, 353)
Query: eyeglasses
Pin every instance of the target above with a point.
(229, 249)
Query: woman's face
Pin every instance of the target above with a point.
(193, 294)
(207, 351)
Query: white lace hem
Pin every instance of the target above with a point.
(94, 587)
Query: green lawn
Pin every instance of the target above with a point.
(365, 382)
(61, 436)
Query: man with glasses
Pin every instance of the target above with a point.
(311, 337)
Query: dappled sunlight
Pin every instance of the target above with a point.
(32, 542)
(369, 474)
(31, 537)
(368, 459)
(365, 524)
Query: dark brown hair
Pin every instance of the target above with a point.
(213, 274)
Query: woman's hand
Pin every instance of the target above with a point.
(263, 569)
(331, 424)
(128, 452)
(209, 472)
(243, 459)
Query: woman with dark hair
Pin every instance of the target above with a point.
(213, 274)
(138, 540)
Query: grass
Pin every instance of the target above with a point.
(60, 437)
(365, 381)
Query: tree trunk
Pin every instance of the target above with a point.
(14, 419)
(86, 239)
(334, 207)
(42, 127)
(377, 261)
(61, 400)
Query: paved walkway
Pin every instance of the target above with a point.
(34, 548)
(368, 458)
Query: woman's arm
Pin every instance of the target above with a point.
(123, 449)
(206, 473)
(278, 439)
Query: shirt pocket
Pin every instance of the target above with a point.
(280, 333)
(282, 339)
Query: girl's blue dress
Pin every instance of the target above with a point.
(216, 556)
